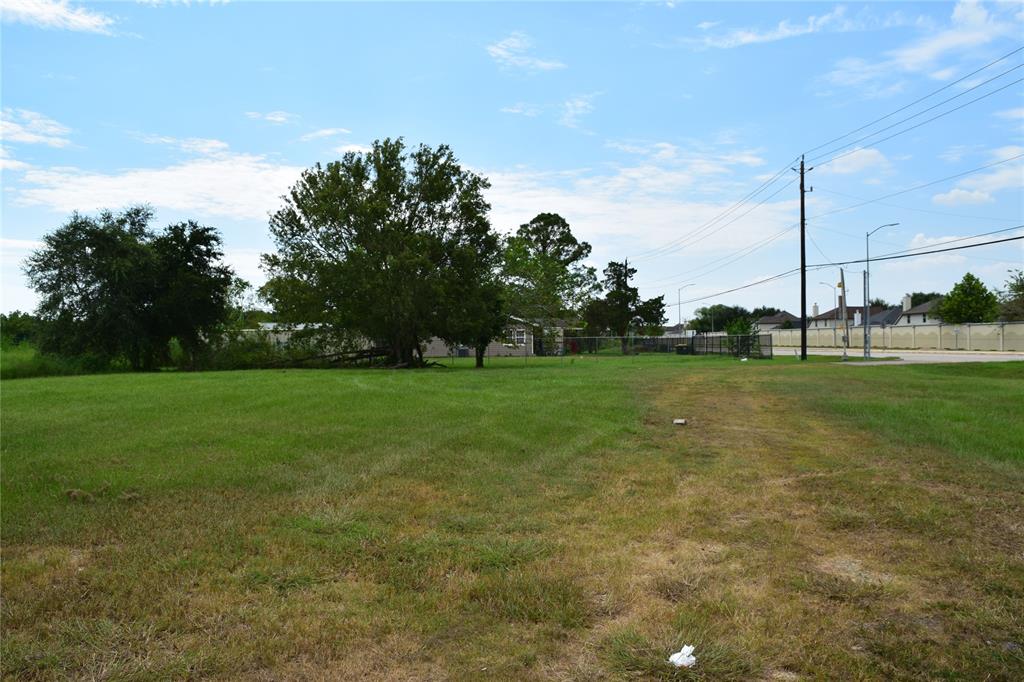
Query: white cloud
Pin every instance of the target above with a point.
(56, 14)
(694, 161)
(970, 26)
(978, 189)
(634, 207)
(357, 148)
(226, 184)
(9, 163)
(30, 127)
(858, 161)
(576, 107)
(521, 108)
(324, 132)
(275, 117)
(1011, 114)
(960, 197)
(513, 51)
(192, 145)
(835, 21)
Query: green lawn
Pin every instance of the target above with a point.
(529, 520)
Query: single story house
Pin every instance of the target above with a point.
(919, 314)
(783, 320)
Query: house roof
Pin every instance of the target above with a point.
(851, 310)
(925, 307)
(887, 317)
(778, 318)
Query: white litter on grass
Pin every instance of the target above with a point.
(683, 658)
(679, 422)
(743, 359)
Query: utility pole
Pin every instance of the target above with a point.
(803, 262)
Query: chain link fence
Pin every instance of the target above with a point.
(754, 346)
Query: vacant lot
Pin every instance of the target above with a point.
(538, 521)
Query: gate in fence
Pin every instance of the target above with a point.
(757, 346)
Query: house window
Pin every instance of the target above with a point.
(924, 318)
(517, 337)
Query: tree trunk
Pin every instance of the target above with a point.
(480, 350)
(625, 342)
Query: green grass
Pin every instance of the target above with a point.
(24, 361)
(530, 520)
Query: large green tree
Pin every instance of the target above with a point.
(1012, 299)
(968, 301)
(717, 317)
(544, 271)
(621, 310)
(382, 245)
(113, 289)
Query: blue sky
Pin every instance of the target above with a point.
(638, 122)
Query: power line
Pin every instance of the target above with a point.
(925, 253)
(673, 244)
(917, 187)
(923, 111)
(738, 256)
(818, 266)
(916, 101)
(788, 273)
(721, 227)
(954, 241)
(919, 210)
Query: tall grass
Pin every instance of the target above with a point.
(24, 360)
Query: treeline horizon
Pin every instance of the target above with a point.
(392, 245)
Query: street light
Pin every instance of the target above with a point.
(867, 289)
(679, 304)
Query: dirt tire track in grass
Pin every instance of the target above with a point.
(793, 546)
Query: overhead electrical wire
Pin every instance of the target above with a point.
(917, 187)
(921, 123)
(818, 188)
(884, 257)
(896, 256)
(917, 101)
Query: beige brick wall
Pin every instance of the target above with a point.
(1007, 336)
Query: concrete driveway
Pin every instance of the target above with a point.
(909, 357)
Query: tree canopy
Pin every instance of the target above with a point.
(919, 297)
(621, 311)
(389, 245)
(968, 301)
(1012, 299)
(544, 273)
(113, 289)
(717, 317)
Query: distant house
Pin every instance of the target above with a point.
(783, 320)
(919, 314)
(676, 331)
(520, 338)
(832, 319)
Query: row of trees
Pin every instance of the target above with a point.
(392, 246)
(397, 247)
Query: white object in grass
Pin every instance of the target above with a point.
(679, 422)
(683, 658)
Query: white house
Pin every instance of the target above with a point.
(919, 314)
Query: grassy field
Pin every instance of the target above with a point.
(519, 522)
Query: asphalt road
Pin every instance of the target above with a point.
(909, 357)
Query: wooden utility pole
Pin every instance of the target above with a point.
(803, 264)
